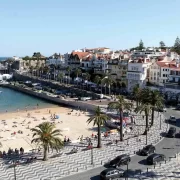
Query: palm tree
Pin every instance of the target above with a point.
(146, 107)
(107, 80)
(97, 80)
(121, 104)
(68, 69)
(137, 94)
(98, 119)
(156, 102)
(60, 77)
(45, 136)
(87, 76)
(78, 72)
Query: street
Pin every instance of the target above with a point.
(168, 146)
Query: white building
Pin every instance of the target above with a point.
(137, 73)
(56, 59)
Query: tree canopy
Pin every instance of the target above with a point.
(176, 46)
(162, 44)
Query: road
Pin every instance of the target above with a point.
(167, 146)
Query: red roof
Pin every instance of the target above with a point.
(171, 65)
(81, 54)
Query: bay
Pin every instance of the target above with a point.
(12, 100)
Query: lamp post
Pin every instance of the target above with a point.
(14, 166)
(146, 136)
(92, 154)
(160, 122)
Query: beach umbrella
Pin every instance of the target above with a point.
(57, 117)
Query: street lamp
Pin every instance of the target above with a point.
(92, 154)
(15, 163)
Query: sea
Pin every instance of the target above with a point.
(4, 58)
(11, 100)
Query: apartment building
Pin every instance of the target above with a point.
(118, 69)
(138, 72)
(56, 59)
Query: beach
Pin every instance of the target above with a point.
(15, 126)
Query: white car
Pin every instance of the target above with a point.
(172, 118)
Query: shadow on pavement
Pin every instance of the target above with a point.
(95, 177)
(143, 162)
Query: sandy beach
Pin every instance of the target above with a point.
(73, 124)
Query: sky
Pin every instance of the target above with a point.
(50, 26)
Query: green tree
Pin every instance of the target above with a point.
(87, 76)
(108, 81)
(137, 94)
(98, 120)
(141, 45)
(156, 100)
(60, 77)
(45, 136)
(78, 72)
(121, 104)
(37, 55)
(68, 69)
(162, 44)
(26, 58)
(176, 46)
(97, 79)
(146, 108)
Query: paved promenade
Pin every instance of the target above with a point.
(68, 164)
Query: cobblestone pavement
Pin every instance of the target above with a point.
(69, 164)
(166, 170)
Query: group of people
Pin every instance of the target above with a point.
(66, 140)
(11, 151)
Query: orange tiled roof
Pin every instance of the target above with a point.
(171, 65)
(81, 54)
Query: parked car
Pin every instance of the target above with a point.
(120, 160)
(172, 132)
(172, 119)
(111, 173)
(155, 158)
(149, 149)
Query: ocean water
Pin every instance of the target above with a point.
(3, 58)
(12, 100)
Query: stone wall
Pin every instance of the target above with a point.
(73, 104)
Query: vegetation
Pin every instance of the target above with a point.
(121, 104)
(98, 120)
(176, 46)
(137, 94)
(45, 136)
(146, 107)
(162, 45)
(157, 102)
(108, 81)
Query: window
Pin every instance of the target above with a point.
(163, 75)
(108, 174)
(116, 172)
(163, 69)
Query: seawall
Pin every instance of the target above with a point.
(69, 103)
